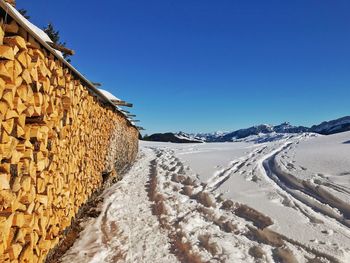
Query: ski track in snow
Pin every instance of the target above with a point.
(223, 175)
(314, 207)
(306, 203)
(306, 194)
(161, 211)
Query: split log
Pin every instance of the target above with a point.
(5, 74)
(14, 251)
(15, 41)
(6, 52)
(4, 181)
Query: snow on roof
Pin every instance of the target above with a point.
(33, 27)
(109, 95)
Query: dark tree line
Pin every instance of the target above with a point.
(24, 13)
(55, 37)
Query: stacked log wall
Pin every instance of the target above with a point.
(56, 141)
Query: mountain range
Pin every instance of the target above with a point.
(324, 128)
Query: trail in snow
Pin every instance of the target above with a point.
(210, 208)
(126, 230)
(208, 229)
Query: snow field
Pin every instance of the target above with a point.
(221, 202)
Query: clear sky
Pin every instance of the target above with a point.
(207, 65)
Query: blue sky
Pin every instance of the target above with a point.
(205, 65)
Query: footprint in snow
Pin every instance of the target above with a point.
(327, 232)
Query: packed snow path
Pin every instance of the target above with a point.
(162, 211)
(126, 230)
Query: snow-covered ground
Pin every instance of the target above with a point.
(257, 200)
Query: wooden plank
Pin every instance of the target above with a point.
(96, 84)
(122, 103)
(61, 48)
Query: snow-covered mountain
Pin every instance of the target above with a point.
(286, 127)
(333, 126)
(263, 131)
(259, 130)
(209, 137)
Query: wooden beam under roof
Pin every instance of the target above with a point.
(61, 48)
(131, 115)
(122, 103)
(96, 84)
(140, 128)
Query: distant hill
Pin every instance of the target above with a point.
(277, 131)
(331, 127)
(180, 137)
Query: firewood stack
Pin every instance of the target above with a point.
(56, 140)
